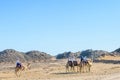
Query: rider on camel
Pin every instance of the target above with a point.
(83, 59)
(18, 63)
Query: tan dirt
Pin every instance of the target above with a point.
(55, 70)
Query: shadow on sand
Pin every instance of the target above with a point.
(108, 61)
(62, 73)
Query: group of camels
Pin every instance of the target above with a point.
(70, 66)
(82, 66)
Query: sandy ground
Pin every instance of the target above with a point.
(55, 70)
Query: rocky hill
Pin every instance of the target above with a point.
(67, 54)
(116, 52)
(37, 56)
(88, 53)
(11, 55)
(94, 53)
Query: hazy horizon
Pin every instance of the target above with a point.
(56, 26)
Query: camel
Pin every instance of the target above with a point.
(89, 64)
(71, 65)
(18, 70)
(85, 66)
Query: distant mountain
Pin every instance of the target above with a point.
(88, 53)
(67, 54)
(94, 53)
(11, 55)
(116, 52)
(37, 55)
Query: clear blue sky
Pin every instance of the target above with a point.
(56, 26)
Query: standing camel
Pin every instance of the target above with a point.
(85, 66)
(89, 64)
(70, 66)
(18, 69)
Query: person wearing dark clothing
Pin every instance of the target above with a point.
(81, 58)
(18, 64)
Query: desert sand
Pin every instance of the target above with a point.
(55, 70)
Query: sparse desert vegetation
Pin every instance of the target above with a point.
(106, 66)
(55, 70)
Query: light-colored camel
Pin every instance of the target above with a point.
(18, 70)
(89, 64)
(85, 66)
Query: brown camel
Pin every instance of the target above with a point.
(71, 65)
(18, 69)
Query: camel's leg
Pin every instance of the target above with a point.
(89, 67)
(70, 68)
(67, 68)
(80, 69)
(77, 68)
(73, 68)
(84, 67)
(16, 72)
